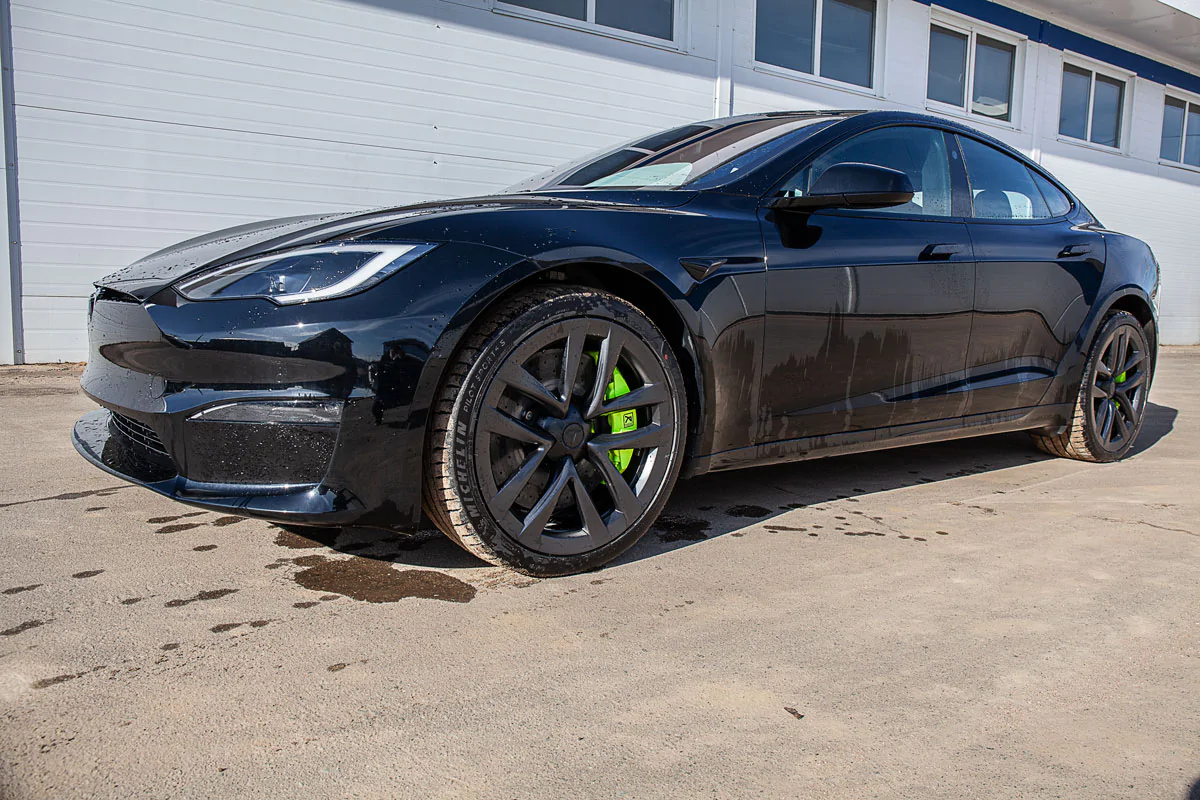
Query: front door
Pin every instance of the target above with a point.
(1036, 278)
(868, 312)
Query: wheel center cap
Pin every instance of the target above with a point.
(573, 435)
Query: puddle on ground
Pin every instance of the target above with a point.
(749, 511)
(677, 528)
(174, 517)
(317, 537)
(378, 582)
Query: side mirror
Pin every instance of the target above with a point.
(852, 185)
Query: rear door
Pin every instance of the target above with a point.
(1036, 278)
(868, 312)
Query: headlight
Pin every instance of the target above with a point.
(301, 276)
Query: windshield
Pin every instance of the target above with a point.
(715, 151)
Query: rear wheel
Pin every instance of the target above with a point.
(1111, 405)
(558, 432)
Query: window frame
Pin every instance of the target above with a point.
(973, 29)
(1124, 118)
(679, 26)
(1029, 166)
(878, 37)
(1188, 99)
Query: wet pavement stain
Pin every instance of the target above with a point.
(68, 496)
(942, 533)
(864, 533)
(295, 541)
(174, 517)
(306, 604)
(25, 626)
(128, 601)
(793, 712)
(750, 511)
(91, 573)
(336, 667)
(783, 528)
(211, 594)
(96, 508)
(170, 646)
(377, 582)
(221, 522)
(19, 589)
(45, 683)
(226, 627)
(204, 548)
(675, 528)
(183, 526)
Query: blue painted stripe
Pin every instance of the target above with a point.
(1060, 38)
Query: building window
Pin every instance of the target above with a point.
(651, 18)
(1092, 106)
(834, 39)
(1180, 132)
(966, 64)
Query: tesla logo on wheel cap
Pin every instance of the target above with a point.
(572, 435)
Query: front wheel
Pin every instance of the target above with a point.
(1111, 405)
(558, 432)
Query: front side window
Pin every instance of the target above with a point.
(653, 18)
(1004, 188)
(831, 38)
(965, 64)
(920, 153)
(1180, 132)
(1091, 107)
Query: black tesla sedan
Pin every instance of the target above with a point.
(536, 369)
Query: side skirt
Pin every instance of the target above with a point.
(1050, 417)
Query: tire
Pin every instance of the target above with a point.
(1111, 405)
(526, 475)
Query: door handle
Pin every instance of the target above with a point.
(1073, 250)
(941, 252)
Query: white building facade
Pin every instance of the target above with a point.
(132, 124)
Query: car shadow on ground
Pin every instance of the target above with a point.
(718, 504)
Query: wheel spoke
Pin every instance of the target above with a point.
(651, 394)
(625, 501)
(593, 523)
(1121, 424)
(516, 484)
(1105, 422)
(495, 421)
(1135, 357)
(650, 436)
(536, 520)
(1099, 392)
(572, 356)
(610, 351)
(519, 378)
(1133, 382)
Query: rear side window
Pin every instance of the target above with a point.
(1058, 203)
(1001, 186)
(919, 153)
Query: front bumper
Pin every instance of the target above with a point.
(101, 442)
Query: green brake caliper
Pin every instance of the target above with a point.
(618, 421)
(1118, 379)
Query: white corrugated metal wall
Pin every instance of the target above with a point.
(143, 122)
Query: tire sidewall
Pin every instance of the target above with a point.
(464, 420)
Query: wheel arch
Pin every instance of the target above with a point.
(646, 289)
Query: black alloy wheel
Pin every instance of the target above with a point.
(568, 427)
(1111, 406)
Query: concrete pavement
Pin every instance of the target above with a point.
(970, 619)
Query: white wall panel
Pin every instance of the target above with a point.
(142, 122)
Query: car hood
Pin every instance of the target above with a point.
(151, 274)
